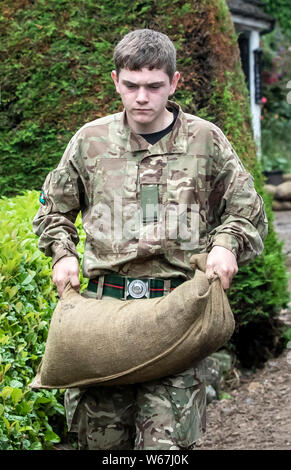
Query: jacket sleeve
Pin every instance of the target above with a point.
(60, 204)
(241, 223)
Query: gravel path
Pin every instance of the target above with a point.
(258, 416)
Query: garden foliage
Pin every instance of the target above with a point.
(26, 301)
(56, 63)
(276, 109)
(56, 59)
(28, 419)
(280, 10)
(276, 112)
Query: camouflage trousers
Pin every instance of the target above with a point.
(164, 414)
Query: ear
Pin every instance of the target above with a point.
(115, 79)
(174, 82)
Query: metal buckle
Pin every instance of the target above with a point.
(137, 288)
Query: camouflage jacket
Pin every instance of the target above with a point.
(147, 208)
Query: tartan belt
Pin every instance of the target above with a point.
(133, 288)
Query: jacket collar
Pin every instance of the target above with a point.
(174, 142)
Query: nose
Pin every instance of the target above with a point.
(142, 96)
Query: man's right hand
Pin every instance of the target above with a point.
(64, 271)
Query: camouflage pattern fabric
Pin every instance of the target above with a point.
(166, 414)
(200, 181)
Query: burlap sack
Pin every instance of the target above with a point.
(110, 342)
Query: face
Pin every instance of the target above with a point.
(144, 94)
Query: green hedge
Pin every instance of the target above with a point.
(28, 419)
(56, 59)
(26, 301)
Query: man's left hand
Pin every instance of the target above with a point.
(222, 262)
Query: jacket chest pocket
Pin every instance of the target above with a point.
(113, 211)
(114, 178)
(185, 203)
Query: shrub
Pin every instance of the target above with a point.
(28, 419)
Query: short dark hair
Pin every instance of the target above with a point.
(145, 48)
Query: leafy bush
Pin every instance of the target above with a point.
(28, 419)
(56, 59)
(280, 10)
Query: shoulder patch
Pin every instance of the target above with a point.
(42, 197)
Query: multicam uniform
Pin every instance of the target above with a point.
(205, 197)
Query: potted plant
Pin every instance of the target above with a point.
(273, 168)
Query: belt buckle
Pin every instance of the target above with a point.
(137, 288)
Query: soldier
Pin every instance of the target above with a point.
(182, 173)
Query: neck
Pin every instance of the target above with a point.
(162, 122)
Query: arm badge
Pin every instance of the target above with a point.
(42, 198)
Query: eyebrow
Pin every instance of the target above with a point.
(127, 82)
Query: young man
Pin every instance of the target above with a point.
(168, 167)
